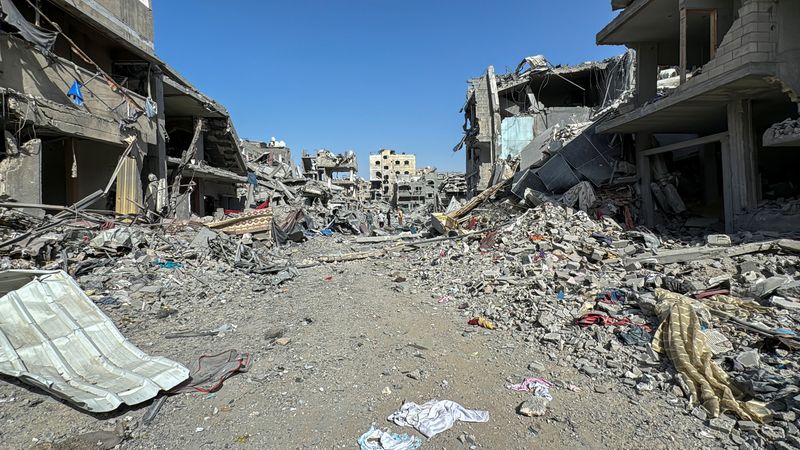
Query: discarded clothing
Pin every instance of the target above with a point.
(75, 94)
(376, 439)
(601, 319)
(539, 386)
(680, 338)
(435, 416)
(635, 336)
(212, 370)
(53, 337)
(611, 296)
(482, 322)
(168, 264)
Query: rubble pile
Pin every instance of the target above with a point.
(585, 289)
(789, 129)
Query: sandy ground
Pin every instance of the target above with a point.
(353, 333)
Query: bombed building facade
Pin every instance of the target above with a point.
(697, 121)
(86, 100)
(518, 120)
(434, 189)
(717, 92)
(386, 169)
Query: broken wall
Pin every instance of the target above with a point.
(21, 172)
(34, 75)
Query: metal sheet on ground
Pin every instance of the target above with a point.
(54, 337)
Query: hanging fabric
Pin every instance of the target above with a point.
(75, 94)
(74, 163)
(150, 108)
(10, 15)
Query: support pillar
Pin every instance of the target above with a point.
(643, 142)
(743, 167)
(157, 153)
(728, 183)
(646, 73)
(21, 173)
(683, 43)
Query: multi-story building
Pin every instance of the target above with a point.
(434, 189)
(386, 169)
(83, 90)
(715, 79)
(340, 170)
(510, 118)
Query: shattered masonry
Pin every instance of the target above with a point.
(701, 126)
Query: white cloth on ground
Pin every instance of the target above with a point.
(435, 416)
(376, 439)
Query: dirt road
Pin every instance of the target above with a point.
(360, 344)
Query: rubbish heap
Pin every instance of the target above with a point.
(711, 322)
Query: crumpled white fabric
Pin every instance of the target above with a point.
(376, 439)
(435, 416)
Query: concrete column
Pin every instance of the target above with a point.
(744, 170)
(21, 174)
(728, 182)
(200, 148)
(646, 73)
(643, 142)
(157, 154)
(683, 43)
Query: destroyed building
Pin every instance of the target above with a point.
(87, 100)
(272, 153)
(339, 170)
(386, 169)
(716, 95)
(434, 189)
(523, 119)
(215, 165)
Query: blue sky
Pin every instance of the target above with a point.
(365, 75)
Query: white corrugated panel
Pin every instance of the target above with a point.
(54, 337)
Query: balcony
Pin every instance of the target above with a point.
(38, 86)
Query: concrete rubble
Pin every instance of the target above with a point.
(585, 251)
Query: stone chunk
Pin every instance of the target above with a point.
(718, 240)
(534, 407)
(773, 433)
(722, 423)
(745, 361)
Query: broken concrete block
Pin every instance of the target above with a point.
(534, 407)
(749, 360)
(718, 240)
(722, 423)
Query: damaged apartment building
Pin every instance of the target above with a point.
(395, 179)
(85, 100)
(433, 189)
(715, 110)
(539, 121)
(340, 172)
(386, 169)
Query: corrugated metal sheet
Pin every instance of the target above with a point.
(54, 337)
